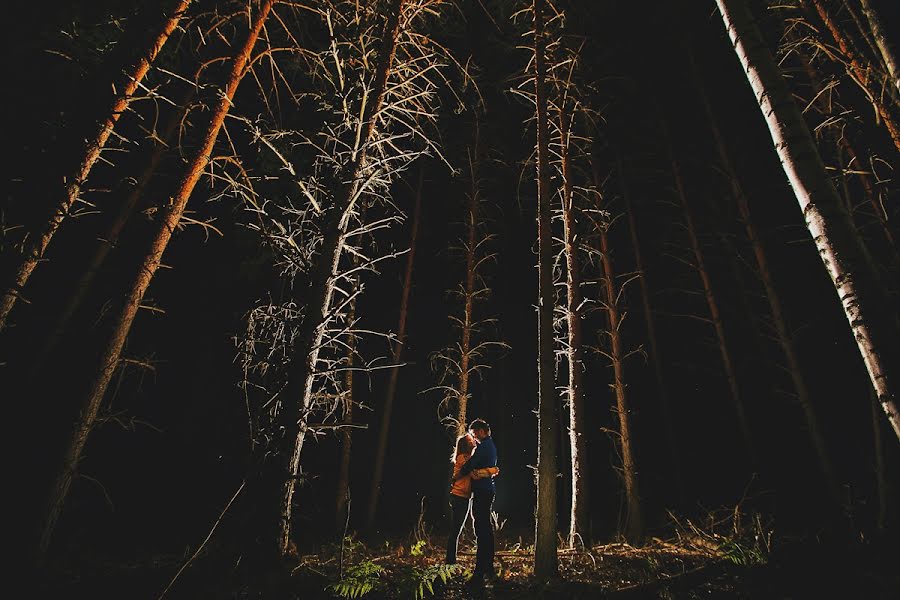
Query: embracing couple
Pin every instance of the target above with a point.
(474, 468)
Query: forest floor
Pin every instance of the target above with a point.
(691, 564)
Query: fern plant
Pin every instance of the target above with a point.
(419, 580)
(359, 580)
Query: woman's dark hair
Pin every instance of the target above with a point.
(464, 445)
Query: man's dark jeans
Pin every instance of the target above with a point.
(484, 532)
(459, 510)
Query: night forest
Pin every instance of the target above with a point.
(263, 261)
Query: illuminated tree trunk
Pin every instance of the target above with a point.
(546, 562)
(37, 242)
(859, 70)
(342, 498)
(872, 320)
(634, 528)
(110, 239)
(662, 390)
(168, 220)
(579, 516)
(785, 339)
(712, 304)
(884, 46)
(323, 280)
(387, 408)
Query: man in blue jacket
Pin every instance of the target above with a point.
(485, 455)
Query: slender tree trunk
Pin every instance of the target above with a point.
(465, 359)
(321, 290)
(872, 320)
(110, 239)
(546, 562)
(785, 339)
(884, 45)
(387, 407)
(37, 243)
(634, 528)
(859, 70)
(662, 389)
(712, 304)
(169, 218)
(579, 516)
(342, 498)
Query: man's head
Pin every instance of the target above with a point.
(480, 429)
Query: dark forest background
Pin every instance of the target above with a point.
(173, 447)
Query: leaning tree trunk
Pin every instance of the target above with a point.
(859, 69)
(579, 516)
(169, 218)
(634, 525)
(712, 303)
(546, 561)
(872, 320)
(110, 239)
(37, 243)
(662, 390)
(884, 46)
(387, 408)
(785, 340)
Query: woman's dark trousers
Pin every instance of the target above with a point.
(459, 510)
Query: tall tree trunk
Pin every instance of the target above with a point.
(712, 304)
(872, 320)
(884, 45)
(169, 218)
(342, 497)
(579, 516)
(321, 290)
(546, 562)
(634, 528)
(662, 389)
(859, 70)
(110, 239)
(39, 240)
(785, 339)
(387, 408)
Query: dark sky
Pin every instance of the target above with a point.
(169, 472)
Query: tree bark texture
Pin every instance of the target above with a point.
(873, 322)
